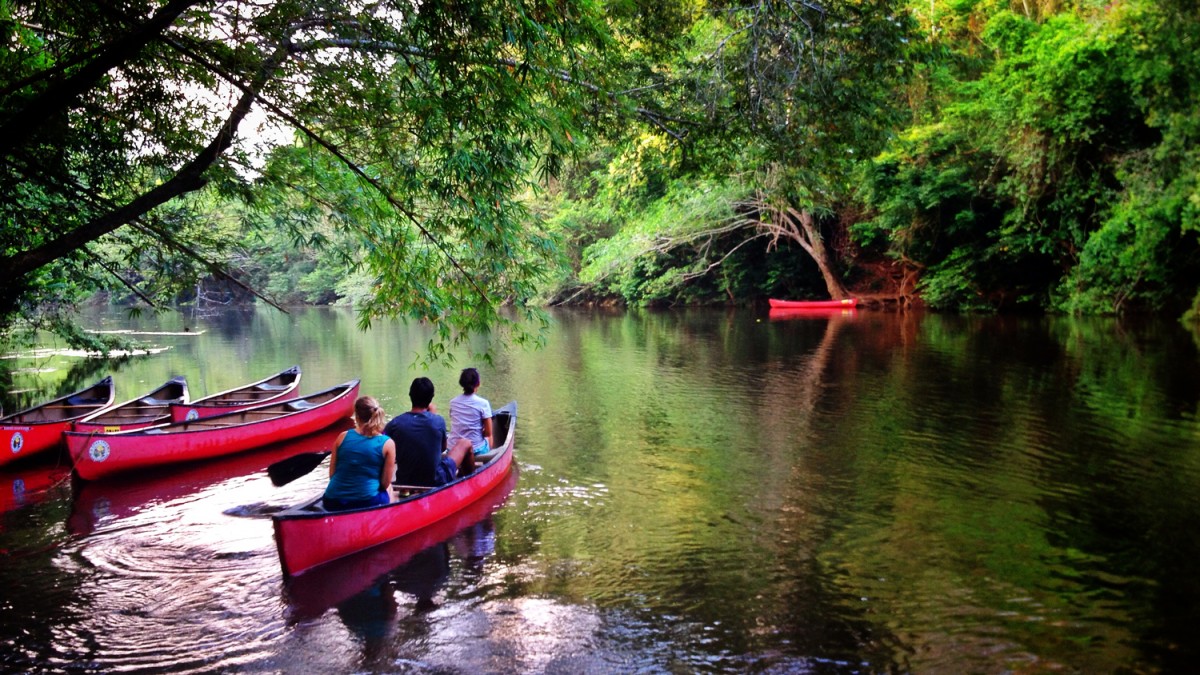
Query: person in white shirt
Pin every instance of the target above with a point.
(471, 418)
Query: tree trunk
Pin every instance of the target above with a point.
(800, 227)
(815, 245)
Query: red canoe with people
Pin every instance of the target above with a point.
(41, 428)
(278, 387)
(844, 303)
(311, 594)
(147, 410)
(99, 455)
(307, 535)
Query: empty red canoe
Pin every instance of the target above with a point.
(40, 428)
(278, 387)
(813, 304)
(307, 535)
(153, 408)
(99, 455)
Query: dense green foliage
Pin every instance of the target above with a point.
(441, 162)
(1008, 155)
(1059, 175)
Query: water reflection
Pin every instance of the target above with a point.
(25, 485)
(700, 492)
(102, 503)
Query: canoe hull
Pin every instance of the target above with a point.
(279, 387)
(18, 441)
(139, 413)
(309, 595)
(845, 303)
(306, 539)
(98, 456)
(40, 429)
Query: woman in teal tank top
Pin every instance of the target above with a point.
(363, 461)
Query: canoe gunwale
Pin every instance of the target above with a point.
(144, 409)
(28, 438)
(845, 303)
(262, 392)
(65, 402)
(263, 385)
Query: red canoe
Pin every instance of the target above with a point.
(274, 388)
(813, 304)
(100, 455)
(312, 593)
(148, 410)
(41, 428)
(307, 535)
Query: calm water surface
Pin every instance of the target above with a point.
(696, 491)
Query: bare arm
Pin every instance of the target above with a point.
(487, 432)
(389, 465)
(333, 456)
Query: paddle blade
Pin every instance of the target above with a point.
(287, 470)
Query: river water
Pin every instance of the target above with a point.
(696, 491)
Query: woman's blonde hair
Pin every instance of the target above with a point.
(369, 415)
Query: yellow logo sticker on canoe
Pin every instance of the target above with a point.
(109, 430)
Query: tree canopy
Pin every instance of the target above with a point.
(441, 160)
(411, 127)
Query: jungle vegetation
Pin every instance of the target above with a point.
(441, 160)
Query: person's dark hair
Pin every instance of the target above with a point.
(421, 392)
(469, 380)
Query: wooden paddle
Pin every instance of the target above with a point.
(287, 470)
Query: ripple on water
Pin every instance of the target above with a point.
(175, 586)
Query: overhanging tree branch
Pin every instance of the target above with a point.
(187, 179)
(655, 117)
(58, 96)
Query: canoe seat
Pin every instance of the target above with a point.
(272, 387)
(301, 405)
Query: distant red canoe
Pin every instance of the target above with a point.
(814, 304)
(40, 428)
(307, 535)
(100, 455)
(153, 408)
(274, 388)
